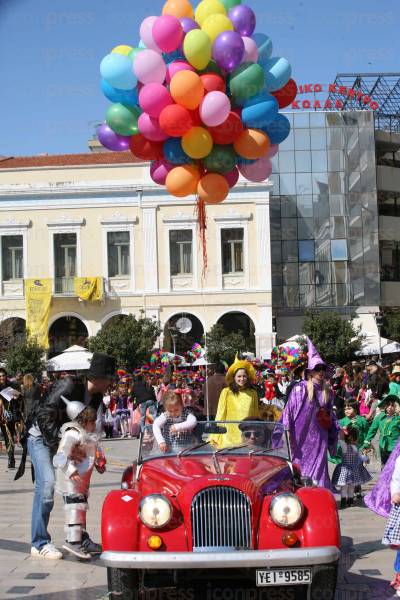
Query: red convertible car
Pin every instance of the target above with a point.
(224, 503)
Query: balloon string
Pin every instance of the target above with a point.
(202, 223)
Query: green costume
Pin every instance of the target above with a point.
(360, 423)
(389, 432)
(394, 388)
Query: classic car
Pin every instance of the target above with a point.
(224, 503)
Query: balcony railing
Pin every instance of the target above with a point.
(64, 285)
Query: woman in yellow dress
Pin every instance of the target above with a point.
(237, 402)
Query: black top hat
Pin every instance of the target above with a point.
(102, 366)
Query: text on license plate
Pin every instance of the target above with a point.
(284, 577)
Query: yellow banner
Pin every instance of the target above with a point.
(38, 299)
(89, 288)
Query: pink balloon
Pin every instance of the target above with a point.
(146, 33)
(168, 33)
(215, 109)
(159, 170)
(153, 98)
(151, 129)
(178, 65)
(273, 150)
(232, 177)
(257, 171)
(250, 50)
(149, 67)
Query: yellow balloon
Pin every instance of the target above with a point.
(197, 143)
(124, 50)
(197, 48)
(216, 24)
(207, 8)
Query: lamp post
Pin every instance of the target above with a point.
(379, 324)
(174, 336)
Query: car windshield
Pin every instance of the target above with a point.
(211, 437)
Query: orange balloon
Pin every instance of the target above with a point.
(252, 144)
(178, 9)
(213, 188)
(187, 89)
(182, 181)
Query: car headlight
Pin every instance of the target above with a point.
(286, 510)
(155, 511)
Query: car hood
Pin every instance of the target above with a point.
(173, 474)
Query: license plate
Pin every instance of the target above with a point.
(284, 577)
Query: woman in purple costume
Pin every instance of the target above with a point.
(312, 423)
(379, 498)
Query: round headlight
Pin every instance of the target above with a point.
(155, 511)
(286, 510)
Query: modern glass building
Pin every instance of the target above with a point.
(324, 218)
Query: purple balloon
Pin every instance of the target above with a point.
(243, 19)
(111, 140)
(188, 24)
(228, 50)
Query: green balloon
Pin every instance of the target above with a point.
(230, 3)
(132, 54)
(246, 81)
(123, 119)
(221, 159)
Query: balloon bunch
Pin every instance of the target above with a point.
(197, 350)
(200, 97)
(159, 356)
(289, 356)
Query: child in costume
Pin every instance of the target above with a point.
(173, 428)
(73, 478)
(392, 531)
(351, 471)
(388, 425)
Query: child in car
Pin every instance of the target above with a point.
(173, 428)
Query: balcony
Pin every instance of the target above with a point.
(64, 286)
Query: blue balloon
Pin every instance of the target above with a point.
(172, 56)
(260, 110)
(277, 73)
(278, 130)
(117, 71)
(264, 45)
(128, 97)
(174, 153)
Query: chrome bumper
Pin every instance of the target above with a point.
(292, 557)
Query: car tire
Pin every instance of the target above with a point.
(123, 584)
(324, 582)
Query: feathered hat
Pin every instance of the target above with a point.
(240, 364)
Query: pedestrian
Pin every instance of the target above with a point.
(311, 421)
(363, 399)
(212, 390)
(352, 417)
(237, 401)
(73, 476)
(391, 536)
(351, 471)
(394, 385)
(388, 425)
(107, 417)
(42, 444)
(11, 419)
(31, 395)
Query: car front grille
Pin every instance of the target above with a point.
(221, 519)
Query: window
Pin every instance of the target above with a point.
(12, 257)
(339, 250)
(232, 250)
(306, 251)
(180, 251)
(65, 254)
(390, 261)
(118, 252)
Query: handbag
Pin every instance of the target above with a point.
(324, 418)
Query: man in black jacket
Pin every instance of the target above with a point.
(42, 443)
(10, 416)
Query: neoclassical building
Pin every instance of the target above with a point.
(100, 215)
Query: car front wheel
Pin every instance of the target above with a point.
(123, 584)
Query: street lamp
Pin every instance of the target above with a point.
(379, 324)
(174, 336)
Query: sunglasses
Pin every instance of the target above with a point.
(249, 434)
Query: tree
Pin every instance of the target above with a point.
(336, 339)
(128, 339)
(391, 325)
(25, 356)
(223, 345)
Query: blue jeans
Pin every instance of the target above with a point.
(43, 499)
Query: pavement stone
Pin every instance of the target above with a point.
(365, 568)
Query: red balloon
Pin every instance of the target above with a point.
(175, 120)
(229, 131)
(195, 114)
(287, 94)
(213, 83)
(144, 149)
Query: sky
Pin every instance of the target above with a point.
(50, 51)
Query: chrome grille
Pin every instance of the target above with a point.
(221, 519)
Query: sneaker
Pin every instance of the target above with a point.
(91, 546)
(48, 551)
(77, 549)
